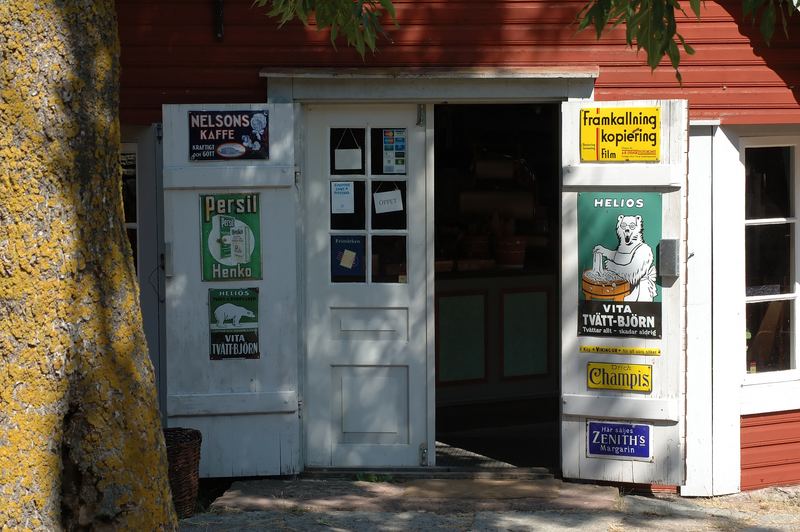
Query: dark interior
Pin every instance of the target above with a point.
(496, 251)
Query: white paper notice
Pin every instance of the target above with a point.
(342, 201)
(348, 259)
(391, 201)
(349, 159)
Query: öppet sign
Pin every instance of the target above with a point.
(619, 134)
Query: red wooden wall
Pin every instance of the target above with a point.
(170, 53)
(770, 449)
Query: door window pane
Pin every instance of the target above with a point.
(132, 237)
(768, 184)
(388, 151)
(768, 263)
(389, 205)
(128, 163)
(389, 259)
(347, 151)
(347, 205)
(347, 259)
(769, 336)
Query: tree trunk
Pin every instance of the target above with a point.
(81, 445)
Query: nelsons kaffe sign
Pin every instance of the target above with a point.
(230, 237)
(225, 135)
(620, 295)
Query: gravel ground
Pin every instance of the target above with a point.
(338, 505)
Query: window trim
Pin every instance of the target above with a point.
(774, 390)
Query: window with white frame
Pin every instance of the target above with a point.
(770, 258)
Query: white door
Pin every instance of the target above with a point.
(233, 373)
(623, 290)
(367, 388)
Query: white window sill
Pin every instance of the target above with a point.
(772, 391)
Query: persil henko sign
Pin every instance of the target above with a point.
(622, 441)
(225, 135)
(619, 134)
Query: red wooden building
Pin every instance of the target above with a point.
(489, 77)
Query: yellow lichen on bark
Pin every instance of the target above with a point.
(80, 435)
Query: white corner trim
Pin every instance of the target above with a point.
(704, 122)
(770, 397)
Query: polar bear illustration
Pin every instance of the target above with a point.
(229, 311)
(633, 259)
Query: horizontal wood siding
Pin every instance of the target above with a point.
(770, 449)
(170, 54)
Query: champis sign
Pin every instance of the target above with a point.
(625, 377)
(619, 134)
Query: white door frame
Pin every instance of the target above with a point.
(425, 87)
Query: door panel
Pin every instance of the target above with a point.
(622, 350)
(366, 378)
(245, 407)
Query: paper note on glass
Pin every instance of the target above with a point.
(342, 201)
(348, 258)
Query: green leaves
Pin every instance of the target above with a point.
(651, 26)
(358, 21)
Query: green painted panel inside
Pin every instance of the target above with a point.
(461, 338)
(524, 334)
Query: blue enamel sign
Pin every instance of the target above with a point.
(606, 439)
(348, 259)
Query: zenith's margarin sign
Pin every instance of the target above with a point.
(620, 441)
(620, 134)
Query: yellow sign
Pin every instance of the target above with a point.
(618, 350)
(619, 134)
(628, 377)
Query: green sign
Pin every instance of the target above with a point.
(233, 323)
(230, 237)
(618, 234)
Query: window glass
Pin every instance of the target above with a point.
(134, 246)
(388, 152)
(389, 259)
(347, 205)
(347, 259)
(127, 161)
(388, 205)
(768, 264)
(769, 336)
(347, 151)
(769, 258)
(768, 189)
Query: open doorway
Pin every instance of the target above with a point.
(496, 290)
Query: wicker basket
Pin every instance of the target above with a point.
(183, 455)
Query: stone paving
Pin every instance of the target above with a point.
(484, 505)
